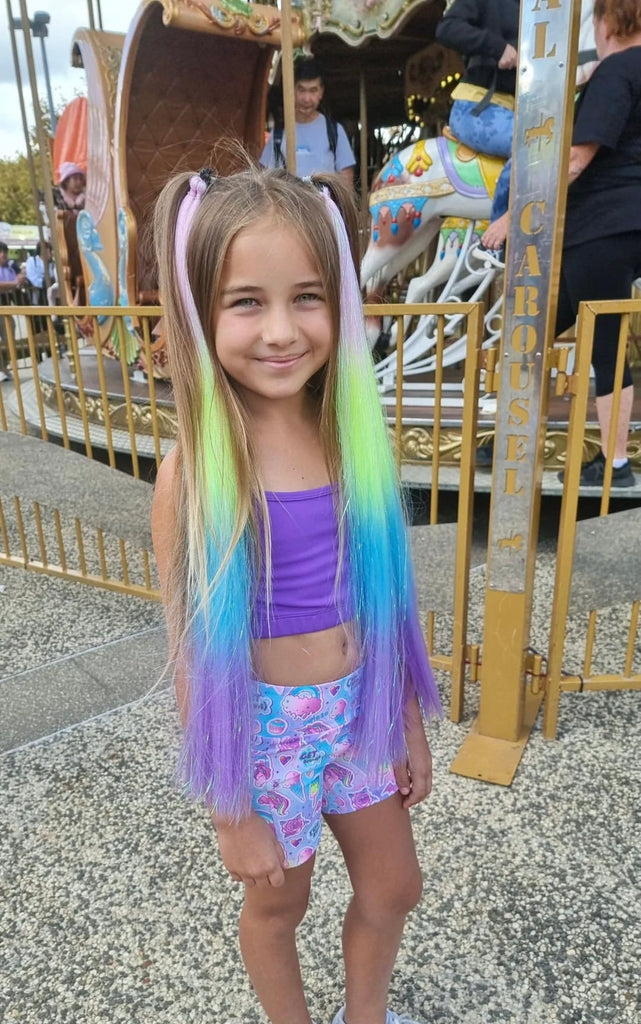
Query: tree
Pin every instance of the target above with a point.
(16, 198)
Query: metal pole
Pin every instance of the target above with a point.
(52, 112)
(25, 127)
(287, 73)
(99, 9)
(546, 73)
(92, 23)
(364, 133)
(43, 146)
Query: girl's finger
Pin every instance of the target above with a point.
(403, 780)
(276, 877)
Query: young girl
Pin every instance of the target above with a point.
(278, 528)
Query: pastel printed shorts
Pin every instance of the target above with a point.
(303, 761)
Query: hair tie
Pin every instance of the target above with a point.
(207, 176)
(197, 188)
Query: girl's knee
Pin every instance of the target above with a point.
(275, 909)
(394, 897)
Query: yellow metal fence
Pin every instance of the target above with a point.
(614, 544)
(68, 392)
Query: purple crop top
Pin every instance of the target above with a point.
(304, 597)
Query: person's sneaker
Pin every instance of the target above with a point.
(391, 1018)
(5, 375)
(593, 472)
(485, 455)
(494, 256)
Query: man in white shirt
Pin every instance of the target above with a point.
(321, 143)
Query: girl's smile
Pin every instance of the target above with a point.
(272, 327)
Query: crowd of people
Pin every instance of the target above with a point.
(29, 278)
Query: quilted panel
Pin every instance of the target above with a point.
(188, 91)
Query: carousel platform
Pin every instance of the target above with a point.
(417, 417)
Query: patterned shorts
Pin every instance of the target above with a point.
(304, 765)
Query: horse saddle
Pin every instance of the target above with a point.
(472, 165)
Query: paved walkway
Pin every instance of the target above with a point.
(115, 908)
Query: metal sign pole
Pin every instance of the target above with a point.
(287, 78)
(25, 127)
(546, 71)
(43, 146)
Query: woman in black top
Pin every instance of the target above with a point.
(602, 242)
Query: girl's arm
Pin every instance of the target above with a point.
(414, 778)
(163, 532)
(249, 849)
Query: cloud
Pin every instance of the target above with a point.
(66, 82)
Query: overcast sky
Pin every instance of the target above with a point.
(66, 82)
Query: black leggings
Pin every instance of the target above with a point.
(602, 269)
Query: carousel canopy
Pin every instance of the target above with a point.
(373, 37)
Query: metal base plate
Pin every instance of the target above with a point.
(489, 759)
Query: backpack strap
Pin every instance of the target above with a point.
(332, 139)
(332, 136)
(277, 142)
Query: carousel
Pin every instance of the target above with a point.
(188, 77)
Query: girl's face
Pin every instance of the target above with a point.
(272, 326)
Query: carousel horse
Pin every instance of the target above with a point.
(424, 183)
(414, 198)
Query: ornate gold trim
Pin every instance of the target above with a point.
(380, 22)
(142, 414)
(417, 446)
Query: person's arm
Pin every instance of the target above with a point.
(580, 157)
(414, 777)
(603, 111)
(463, 28)
(345, 160)
(248, 848)
(12, 286)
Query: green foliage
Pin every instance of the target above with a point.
(16, 199)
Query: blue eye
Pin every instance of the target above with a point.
(310, 297)
(246, 302)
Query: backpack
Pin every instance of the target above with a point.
(332, 139)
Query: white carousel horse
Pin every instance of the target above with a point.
(425, 182)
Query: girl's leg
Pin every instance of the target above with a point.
(268, 923)
(490, 132)
(501, 201)
(378, 848)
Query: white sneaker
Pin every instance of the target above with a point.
(391, 1018)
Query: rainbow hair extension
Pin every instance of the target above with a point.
(221, 555)
(395, 662)
(215, 760)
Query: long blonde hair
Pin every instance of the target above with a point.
(221, 502)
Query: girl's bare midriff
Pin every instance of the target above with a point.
(307, 659)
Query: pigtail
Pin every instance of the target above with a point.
(213, 595)
(395, 663)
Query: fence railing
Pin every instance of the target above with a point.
(598, 563)
(106, 409)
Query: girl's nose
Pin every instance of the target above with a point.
(278, 326)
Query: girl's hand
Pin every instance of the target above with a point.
(414, 778)
(508, 58)
(250, 851)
